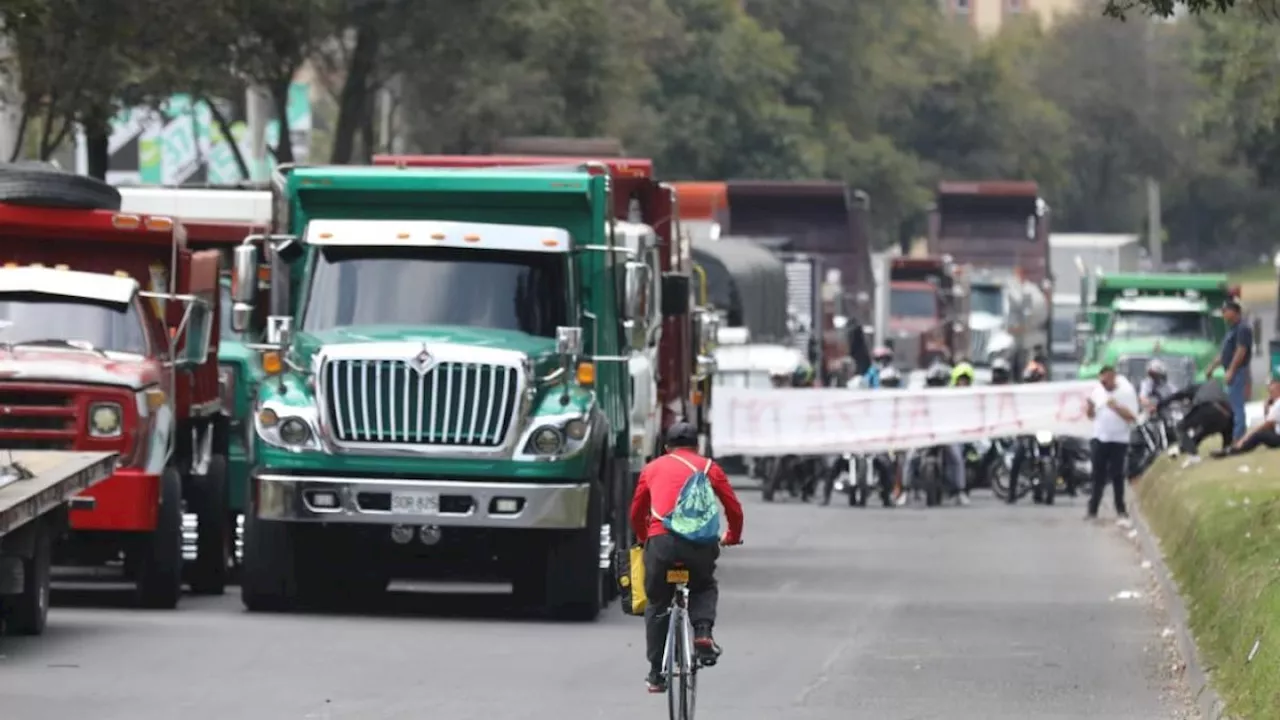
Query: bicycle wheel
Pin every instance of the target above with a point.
(674, 664)
(689, 673)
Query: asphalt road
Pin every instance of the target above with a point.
(977, 613)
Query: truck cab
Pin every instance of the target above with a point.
(447, 390)
(1136, 318)
(928, 310)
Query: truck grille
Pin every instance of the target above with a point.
(391, 402)
(37, 418)
(979, 340)
(1182, 369)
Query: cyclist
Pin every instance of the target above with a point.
(941, 375)
(657, 492)
(882, 358)
(1001, 372)
(1033, 373)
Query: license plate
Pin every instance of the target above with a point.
(415, 503)
(678, 576)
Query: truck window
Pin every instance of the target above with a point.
(501, 290)
(913, 303)
(107, 326)
(986, 299)
(1186, 325)
(1064, 327)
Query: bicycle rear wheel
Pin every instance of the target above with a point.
(675, 667)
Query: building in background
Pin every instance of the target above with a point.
(988, 16)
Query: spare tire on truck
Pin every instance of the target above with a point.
(36, 184)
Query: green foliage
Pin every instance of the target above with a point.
(891, 96)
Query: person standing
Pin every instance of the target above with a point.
(1234, 359)
(1113, 407)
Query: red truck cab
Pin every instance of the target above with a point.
(110, 344)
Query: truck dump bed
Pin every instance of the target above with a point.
(58, 477)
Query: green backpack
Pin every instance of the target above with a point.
(696, 516)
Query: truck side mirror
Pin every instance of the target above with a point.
(675, 294)
(569, 341)
(199, 334)
(279, 330)
(244, 274)
(637, 280)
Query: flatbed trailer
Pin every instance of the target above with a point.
(36, 488)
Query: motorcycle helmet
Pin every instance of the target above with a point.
(938, 374)
(962, 371)
(1157, 370)
(1001, 371)
(802, 376)
(890, 377)
(882, 355)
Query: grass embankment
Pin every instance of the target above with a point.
(1219, 528)
(1257, 284)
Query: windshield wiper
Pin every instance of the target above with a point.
(61, 342)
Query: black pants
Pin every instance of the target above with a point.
(1203, 420)
(1269, 438)
(1108, 467)
(1020, 454)
(660, 554)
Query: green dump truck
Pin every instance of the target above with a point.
(1130, 318)
(446, 389)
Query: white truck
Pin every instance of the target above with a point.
(1095, 253)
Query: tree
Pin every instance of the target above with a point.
(1167, 8)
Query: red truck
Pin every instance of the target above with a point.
(638, 199)
(827, 220)
(927, 312)
(109, 344)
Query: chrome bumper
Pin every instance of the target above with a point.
(293, 498)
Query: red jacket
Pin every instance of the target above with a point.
(659, 488)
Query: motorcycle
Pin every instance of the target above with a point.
(1042, 464)
(1153, 434)
(986, 464)
(858, 475)
(1075, 464)
(931, 475)
(798, 476)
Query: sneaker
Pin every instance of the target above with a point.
(704, 646)
(1091, 517)
(656, 682)
(902, 500)
(962, 499)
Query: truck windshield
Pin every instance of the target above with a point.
(32, 318)
(501, 290)
(986, 299)
(1064, 326)
(1183, 325)
(913, 303)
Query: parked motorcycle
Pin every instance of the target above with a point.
(859, 475)
(930, 475)
(1152, 435)
(986, 464)
(1075, 464)
(1041, 466)
(798, 476)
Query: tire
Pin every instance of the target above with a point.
(159, 581)
(42, 185)
(215, 538)
(566, 580)
(268, 574)
(28, 613)
(1051, 482)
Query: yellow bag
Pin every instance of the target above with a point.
(630, 564)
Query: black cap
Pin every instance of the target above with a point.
(1231, 305)
(682, 435)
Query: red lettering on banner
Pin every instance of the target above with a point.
(815, 418)
(1071, 407)
(752, 412)
(918, 414)
(1007, 403)
(981, 408)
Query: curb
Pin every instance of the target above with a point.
(1208, 700)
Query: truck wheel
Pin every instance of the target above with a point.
(29, 612)
(214, 538)
(567, 576)
(268, 576)
(42, 185)
(159, 582)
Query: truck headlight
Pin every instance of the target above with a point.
(547, 440)
(105, 420)
(294, 431)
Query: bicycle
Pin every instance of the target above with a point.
(680, 663)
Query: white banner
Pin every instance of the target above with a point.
(802, 421)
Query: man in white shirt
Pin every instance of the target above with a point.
(1266, 432)
(1113, 407)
